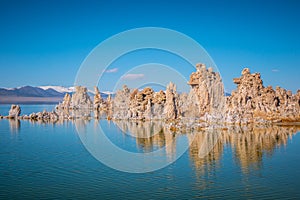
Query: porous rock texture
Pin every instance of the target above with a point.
(145, 104)
(14, 111)
(100, 104)
(80, 99)
(252, 102)
(77, 105)
(206, 98)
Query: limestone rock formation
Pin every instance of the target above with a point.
(63, 108)
(66, 101)
(98, 101)
(158, 104)
(120, 104)
(145, 104)
(14, 111)
(140, 106)
(44, 116)
(171, 105)
(80, 99)
(252, 102)
(206, 102)
(207, 94)
(76, 106)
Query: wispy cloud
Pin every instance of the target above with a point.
(113, 70)
(275, 70)
(133, 76)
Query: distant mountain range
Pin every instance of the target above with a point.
(40, 94)
(29, 91)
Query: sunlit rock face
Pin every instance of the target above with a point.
(171, 105)
(252, 102)
(146, 104)
(66, 101)
(14, 111)
(157, 106)
(121, 103)
(43, 116)
(76, 106)
(98, 101)
(140, 106)
(80, 99)
(62, 109)
(101, 106)
(206, 97)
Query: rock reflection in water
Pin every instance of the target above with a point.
(149, 135)
(14, 125)
(249, 144)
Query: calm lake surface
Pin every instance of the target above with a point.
(51, 161)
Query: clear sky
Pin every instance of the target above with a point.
(45, 42)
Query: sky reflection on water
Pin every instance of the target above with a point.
(244, 162)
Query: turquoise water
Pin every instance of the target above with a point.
(50, 161)
(27, 109)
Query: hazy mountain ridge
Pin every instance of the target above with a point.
(29, 91)
(39, 94)
(41, 91)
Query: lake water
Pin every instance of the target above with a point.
(53, 161)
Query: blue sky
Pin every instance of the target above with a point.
(45, 42)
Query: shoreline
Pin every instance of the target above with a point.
(205, 104)
(4, 100)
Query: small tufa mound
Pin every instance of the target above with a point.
(14, 112)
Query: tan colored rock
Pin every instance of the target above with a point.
(98, 101)
(140, 106)
(80, 99)
(252, 102)
(66, 101)
(14, 112)
(207, 94)
(120, 104)
(170, 109)
(159, 97)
